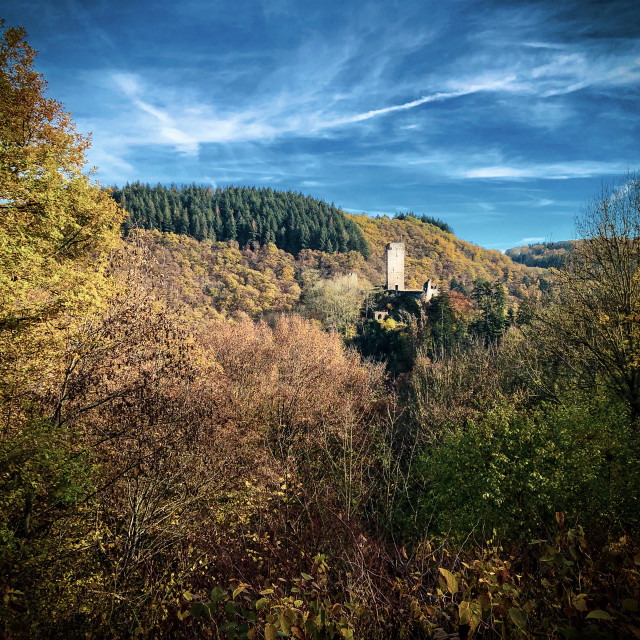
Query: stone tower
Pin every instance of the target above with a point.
(395, 266)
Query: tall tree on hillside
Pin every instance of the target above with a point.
(444, 330)
(53, 219)
(596, 328)
(491, 301)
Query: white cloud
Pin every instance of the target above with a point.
(108, 163)
(556, 171)
(294, 109)
(359, 117)
(332, 89)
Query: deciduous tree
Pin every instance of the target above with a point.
(55, 222)
(596, 326)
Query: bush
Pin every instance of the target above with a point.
(507, 473)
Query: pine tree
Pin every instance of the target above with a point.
(247, 215)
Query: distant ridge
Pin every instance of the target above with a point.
(543, 254)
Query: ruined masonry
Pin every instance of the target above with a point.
(395, 266)
(395, 274)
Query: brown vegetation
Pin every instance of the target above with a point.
(173, 469)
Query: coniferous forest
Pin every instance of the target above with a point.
(291, 221)
(215, 423)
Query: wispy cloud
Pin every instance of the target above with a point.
(553, 171)
(296, 111)
(373, 113)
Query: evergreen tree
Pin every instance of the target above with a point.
(491, 301)
(292, 221)
(442, 323)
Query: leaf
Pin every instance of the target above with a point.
(230, 607)
(217, 594)
(599, 614)
(240, 588)
(452, 582)
(261, 604)
(469, 613)
(518, 617)
(229, 625)
(270, 632)
(580, 604)
(306, 576)
(183, 614)
(198, 609)
(285, 623)
(464, 614)
(485, 601)
(569, 633)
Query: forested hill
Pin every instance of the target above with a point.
(432, 252)
(247, 215)
(315, 235)
(544, 254)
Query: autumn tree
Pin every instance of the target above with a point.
(335, 302)
(56, 227)
(54, 219)
(595, 328)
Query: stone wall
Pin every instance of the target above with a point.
(395, 266)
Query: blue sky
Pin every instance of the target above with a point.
(501, 118)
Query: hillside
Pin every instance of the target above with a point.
(227, 274)
(544, 255)
(436, 254)
(218, 279)
(247, 215)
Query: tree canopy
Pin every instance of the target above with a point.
(247, 215)
(596, 325)
(53, 218)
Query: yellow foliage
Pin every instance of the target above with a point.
(432, 253)
(55, 225)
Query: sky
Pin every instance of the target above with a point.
(501, 118)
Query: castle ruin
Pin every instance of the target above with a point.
(395, 274)
(395, 266)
